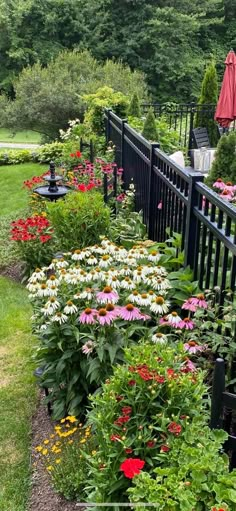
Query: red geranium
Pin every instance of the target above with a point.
(78, 154)
(126, 410)
(174, 428)
(132, 467)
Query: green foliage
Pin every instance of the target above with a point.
(79, 220)
(208, 96)
(167, 137)
(134, 107)
(16, 156)
(9, 253)
(149, 129)
(224, 165)
(105, 97)
(50, 152)
(152, 376)
(196, 477)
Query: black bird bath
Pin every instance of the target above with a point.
(54, 191)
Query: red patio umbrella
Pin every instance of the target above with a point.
(226, 106)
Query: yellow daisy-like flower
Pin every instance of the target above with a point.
(62, 421)
(44, 214)
(46, 442)
(45, 452)
(52, 436)
(83, 441)
(58, 460)
(39, 448)
(93, 453)
(57, 451)
(71, 442)
(49, 468)
(58, 443)
(71, 418)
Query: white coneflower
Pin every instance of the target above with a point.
(105, 261)
(44, 327)
(79, 255)
(72, 278)
(47, 310)
(125, 271)
(154, 256)
(113, 282)
(81, 275)
(52, 281)
(160, 284)
(92, 260)
(61, 263)
(159, 338)
(70, 308)
(173, 318)
(139, 253)
(144, 300)
(159, 305)
(133, 297)
(52, 291)
(127, 284)
(138, 276)
(131, 261)
(86, 294)
(33, 286)
(43, 290)
(59, 317)
(38, 274)
(159, 271)
(53, 303)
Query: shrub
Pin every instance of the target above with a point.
(80, 219)
(167, 137)
(134, 107)
(208, 96)
(105, 97)
(224, 165)
(16, 156)
(146, 404)
(149, 129)
(194, 476)
(49, 152)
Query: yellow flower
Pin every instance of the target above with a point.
(49, 468)
(62, 421)
(93, 453)
(39, 448)
(52, 436)
(58, 443)
(44, 452)
(46, 442)
(83, 441)
(71, 418)
(57, 451)
(58, 460)
(71, 442)
(44, 214)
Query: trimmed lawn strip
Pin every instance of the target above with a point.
(17, 395)
(14, 198)
(23, 137)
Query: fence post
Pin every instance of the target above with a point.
(122, 142)
(191, 221)
(152, 206)
(105, 188)
(108, 131)
(190, 140)
(218, 387)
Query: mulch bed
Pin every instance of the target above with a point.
(43, 496)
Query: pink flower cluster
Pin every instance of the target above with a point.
(225, 190)
(107, 314)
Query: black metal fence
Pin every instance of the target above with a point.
(180, 117)
(170, 196)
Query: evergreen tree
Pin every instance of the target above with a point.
(224, 165)
(209, 96)
(149, 129)
(134, 107)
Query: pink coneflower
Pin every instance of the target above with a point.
(88, 316)
(189, 306)
(112, 310)
(219, 184)
(199, 301)
(131, 313)
(226, 194)
(107, 295)
(188, 367)
(186, 323)
(193, 347)
(104, 317)
(87, 348)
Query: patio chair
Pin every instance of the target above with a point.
(223, 408)
(200, 138)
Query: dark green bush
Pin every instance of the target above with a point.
(149, 130)
(224, 165)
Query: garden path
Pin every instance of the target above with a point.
(13, 145)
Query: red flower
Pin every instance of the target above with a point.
(45, 238)
(159, 379)
(78, 154)
(214, 508)
(115, 438)
(119, 398)
(132, 467)
(128, 450)
(131, 383)
(171, 374)
(82, 188)
(164, 448)
(72, 155)
(151, 443)
(174, 428)
(126, 410)
(122, 420)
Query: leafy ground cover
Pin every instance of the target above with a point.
(24, 137)
(17, 395)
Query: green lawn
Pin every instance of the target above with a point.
(13, 198)
(24, 137)
(17, 395)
